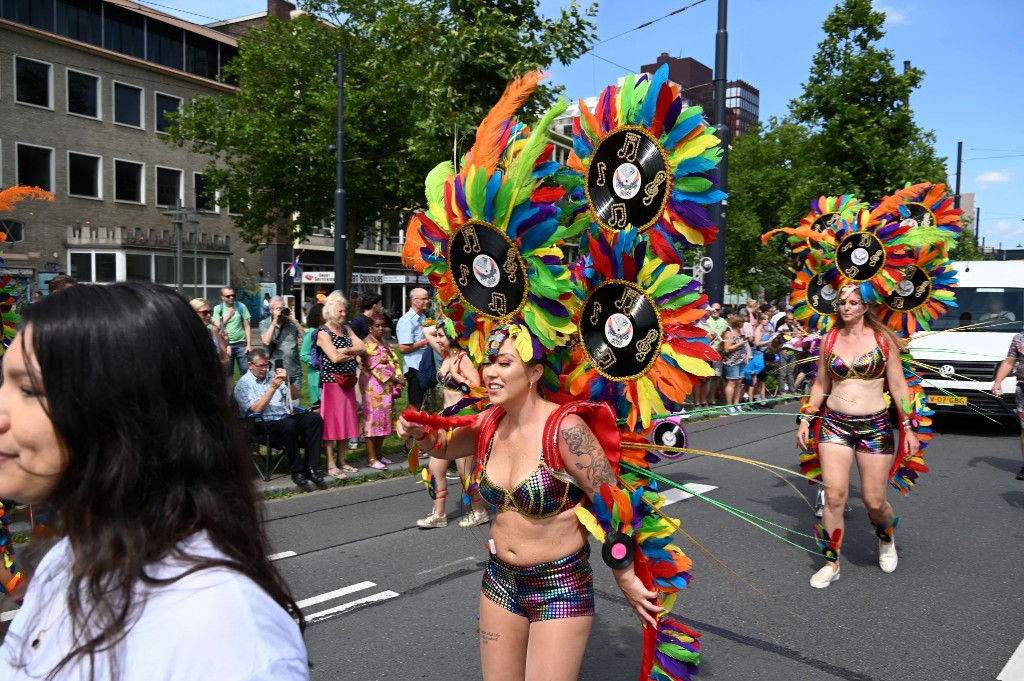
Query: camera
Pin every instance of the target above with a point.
(278, 364)
(285, 311)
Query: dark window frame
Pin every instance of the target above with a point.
(179, 195)
(18, 78)
(69, 72)
(159, 123)
(98, 160)
(142, 104)
(17, 165)
(142, 181)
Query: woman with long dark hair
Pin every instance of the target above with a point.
(113, 412)
(858, 357)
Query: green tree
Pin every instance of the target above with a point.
(419, 77)
(852, 131)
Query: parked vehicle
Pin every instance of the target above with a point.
(958, 365)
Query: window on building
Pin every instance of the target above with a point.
(168, 187)
(80, 20)
(165, 44)
(83, 94)
(34, 13)
(165, 104)
(84, 175)
(200, 55)
(14, 230)
(35, 166)
(32, 82)
(204, 196)
(128, 178)
(124, 31)
(163, 269)
(138, 267)
(128, 105)
(93, 267)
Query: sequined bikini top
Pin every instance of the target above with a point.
(544, 493)
(868, 366)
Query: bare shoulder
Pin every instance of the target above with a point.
(584, 458)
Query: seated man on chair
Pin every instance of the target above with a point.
(266, 392)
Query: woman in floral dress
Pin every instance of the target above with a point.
(380, 380)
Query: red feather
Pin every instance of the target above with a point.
(438, 421)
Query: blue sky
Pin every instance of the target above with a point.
(970, 53)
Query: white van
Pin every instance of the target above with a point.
(962, 364)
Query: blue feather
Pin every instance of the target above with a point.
(650, 105)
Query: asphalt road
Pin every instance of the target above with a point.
(387, 600)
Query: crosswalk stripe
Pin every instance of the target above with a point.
(337, 593)
(673, 495)
(1014, 669)
(283, 554)
(382, 596)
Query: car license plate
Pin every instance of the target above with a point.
(947, 399)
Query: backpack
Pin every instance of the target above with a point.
(426, 375)
(315, 353)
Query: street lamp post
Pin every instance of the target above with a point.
(181, 215)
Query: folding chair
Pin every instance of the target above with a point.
(267, 451)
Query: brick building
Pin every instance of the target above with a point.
(85, 86)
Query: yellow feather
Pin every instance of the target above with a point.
(694, 147)
(690, 365)
(588, 521)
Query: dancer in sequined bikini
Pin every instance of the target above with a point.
(847, 406)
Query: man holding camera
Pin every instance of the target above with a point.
(262, 391)
(282, 337)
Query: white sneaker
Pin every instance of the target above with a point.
(825, 576)
(473, 518)
(887, 557)
(433, 520)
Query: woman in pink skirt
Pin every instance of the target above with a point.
(340, 349)
(379, 381)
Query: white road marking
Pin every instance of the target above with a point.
(1014, 669)
(447, 565)
(337, 593)
(673, 495)
(382, 596)
(8, 616)
(283, 554)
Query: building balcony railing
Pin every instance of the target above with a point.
(98, 236)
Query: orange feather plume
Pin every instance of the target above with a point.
(414, 241)
(12, 195)
(486, 149)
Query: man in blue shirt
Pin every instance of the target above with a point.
(412, 344)
(261, 391)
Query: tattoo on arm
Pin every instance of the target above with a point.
(591, 461)
(489, 636)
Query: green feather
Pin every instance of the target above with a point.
(476, 193)
(436, 178)
(519, 184)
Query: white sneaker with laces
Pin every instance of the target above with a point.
(433, 520)
(474, 518)
(825, 576)
(887, 557)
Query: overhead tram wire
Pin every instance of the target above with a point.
(645, 25)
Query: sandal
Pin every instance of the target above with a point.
(386, 461)
(349, 469)
(337, 473)
(378, 465)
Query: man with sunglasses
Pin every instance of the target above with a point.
(232, 318)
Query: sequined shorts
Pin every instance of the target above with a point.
(871, 434)
(553, 590)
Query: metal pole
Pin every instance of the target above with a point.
(179, 258)
(977, 225)
(340, 227)
(714, 282)
(959, 169)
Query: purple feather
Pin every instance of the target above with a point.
(677, 668)
(691, 213)
(675, 108)
(460, 196)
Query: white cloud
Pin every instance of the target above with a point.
(893, 15)
(993, 177)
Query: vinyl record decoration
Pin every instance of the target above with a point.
(860, 256)
(628, 179)
(669, 433)
(911, 292)
(488, 270)
(822, 297)
(621, 330)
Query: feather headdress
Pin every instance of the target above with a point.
(641, 160)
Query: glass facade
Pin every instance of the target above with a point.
(125, 31)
